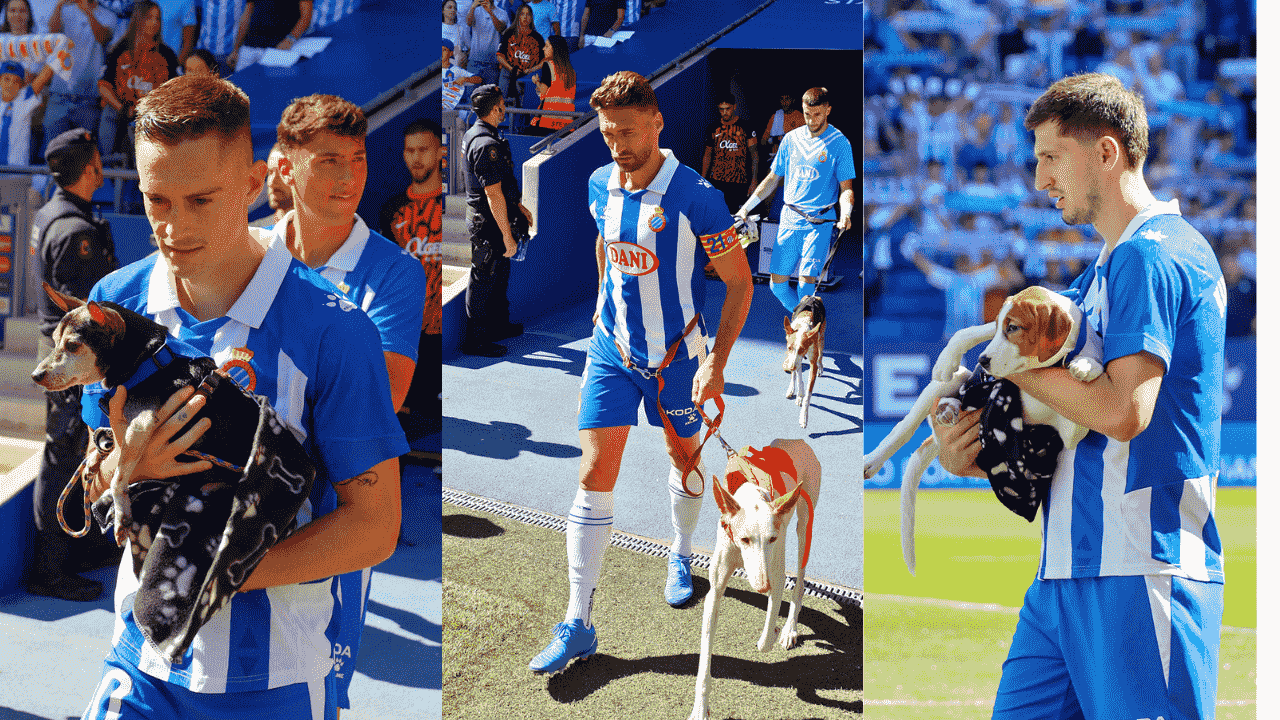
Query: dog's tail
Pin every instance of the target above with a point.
(911, 476)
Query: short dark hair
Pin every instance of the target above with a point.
(189, 107)
(69, 165)
(727, 97)
(423, 125)
(1090, 105)
(816, 96)
(309, 116)
(485, 102)
(209, 60)
(624, 89)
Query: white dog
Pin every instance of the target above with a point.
(754, 514)
(1036, 328)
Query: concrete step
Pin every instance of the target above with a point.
(22, 405)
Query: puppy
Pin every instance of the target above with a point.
(1035, 328)
(805, 331)
(216, 524)
(760, 492)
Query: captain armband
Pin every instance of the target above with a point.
(718, 244)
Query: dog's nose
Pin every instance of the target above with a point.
(984, 362)
(38, 375)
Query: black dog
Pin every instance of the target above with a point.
(261, 474)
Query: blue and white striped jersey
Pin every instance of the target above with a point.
(382, 278)
(1145, 507)
(657, 241)
(812, 168)
(218, 23)
(318, 360)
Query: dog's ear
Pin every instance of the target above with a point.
(783, 505)
(65, 302)
(725, 501)
(1054, 324)
(813, 333)
(107, 318)
(786, 325)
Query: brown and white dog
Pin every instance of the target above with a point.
(1035, 328)
(754, 514)
(805, 331)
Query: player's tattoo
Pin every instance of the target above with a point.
(367, 478)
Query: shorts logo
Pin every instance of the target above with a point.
(690, 415)
(632, 259)
(658, 220)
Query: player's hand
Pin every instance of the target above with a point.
(510, 242)
(153, 441)
(958, 445)
(708, 382)
(844, 223)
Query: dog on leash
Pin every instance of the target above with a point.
(760, 492)
(1035, 328)
(805, 331)
(194, 539)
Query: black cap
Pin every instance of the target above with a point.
(73, 139)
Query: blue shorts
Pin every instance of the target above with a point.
(126, 693)
(351, 600)
(801, 249)
(1114, 648)
(612, 394)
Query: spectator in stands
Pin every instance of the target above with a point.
(18, 102)
(224, 24)
(601, 18)
(569, 15)
(74, 252)
(546, 19)
(934, 217)
(1158, 84)
(278, 23)
(458, 33)
(138, 62)
(413, 219)
(453, 79)
(201, 61)
(1242, 298)
(519, 54)
(729, 158)
(979, 144)
(1010, 139)
(965, 288)
(279, 196)
(557, 84)
(487, 24)
(18, 21)
(75, 102)
(785, 119)
(179, 31)
(1120, 67)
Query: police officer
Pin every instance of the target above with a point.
(492, 199)
(76, 251)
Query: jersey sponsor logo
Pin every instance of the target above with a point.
(632, 259)
(728, 145)
(806, 172)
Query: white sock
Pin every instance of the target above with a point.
(684, 509)
(586, 537)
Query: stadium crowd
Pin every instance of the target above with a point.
(121, 49)
(949, 173)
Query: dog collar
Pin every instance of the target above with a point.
(151, 366)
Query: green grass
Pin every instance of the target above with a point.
(505, 586)
(931, 659)
(969, 548)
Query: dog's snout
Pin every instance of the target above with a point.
(984, 362)
(38, 374)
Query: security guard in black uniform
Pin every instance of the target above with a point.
(492, 201)
(75, 251)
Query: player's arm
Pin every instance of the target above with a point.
(762, 192)
(360, 533)
(732, 267)
(846, 206)
(1118, 404)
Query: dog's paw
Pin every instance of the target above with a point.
(948, 411)
(1085, 369)
(700, 711)
(768, 639)
(944, 368)
(790, 638)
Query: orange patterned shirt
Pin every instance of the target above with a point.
(414, 222)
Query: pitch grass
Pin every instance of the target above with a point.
(505, 586)
(941, 659)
